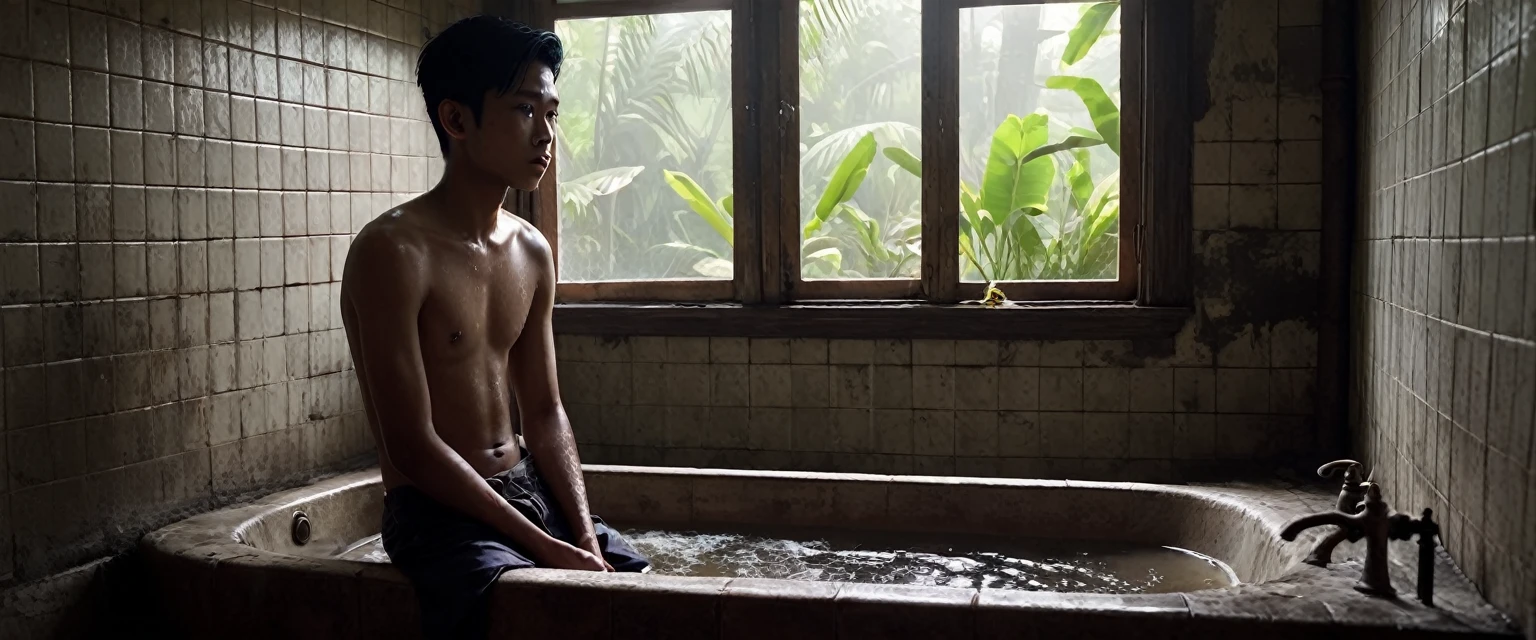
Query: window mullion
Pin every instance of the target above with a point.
(776, 69)
(941, 151)
(1166, 218)
(747, 46)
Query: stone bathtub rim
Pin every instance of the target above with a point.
(216, 537)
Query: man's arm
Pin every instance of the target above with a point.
(546, 429)
(386, 286)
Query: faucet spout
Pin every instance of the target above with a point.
(1295, 527)
(1372, 523)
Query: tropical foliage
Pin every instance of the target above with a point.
(1039, 183)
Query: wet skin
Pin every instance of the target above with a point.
(446, 301)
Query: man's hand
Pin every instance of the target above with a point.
(559, 555)
(589, 543)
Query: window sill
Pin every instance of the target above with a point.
(873, 320)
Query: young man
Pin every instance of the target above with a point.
(447, 301)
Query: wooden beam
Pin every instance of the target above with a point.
(1167, 224)
(873, 321)
(941, 150)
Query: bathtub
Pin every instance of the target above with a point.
(238, 572)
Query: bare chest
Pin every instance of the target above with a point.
(474, 307)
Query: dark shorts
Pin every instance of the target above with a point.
(452, 559)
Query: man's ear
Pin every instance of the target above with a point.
(456, 118)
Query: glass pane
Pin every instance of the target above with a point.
(644, 147)
(1057, 216)
(860, 111)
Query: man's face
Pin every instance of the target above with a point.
(513, 140)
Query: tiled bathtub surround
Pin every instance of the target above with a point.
(1445, 277)
(179, 180)
(1080, 409)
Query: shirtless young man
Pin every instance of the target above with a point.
(446, 301)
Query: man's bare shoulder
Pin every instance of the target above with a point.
(391, 246)
(526, 237)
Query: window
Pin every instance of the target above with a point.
(777, 153)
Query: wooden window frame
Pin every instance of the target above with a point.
(767, 294)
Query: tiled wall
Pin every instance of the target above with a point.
(178, 182)
(1234, 387)
(1445, 291)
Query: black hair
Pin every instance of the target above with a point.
(476, 55)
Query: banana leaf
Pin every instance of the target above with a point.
(1080, 180)
(1008, 183)
(1106, 116)
(905, 160)
(845, 181)
(1087, 31)
(701, 204)
(1070, 143)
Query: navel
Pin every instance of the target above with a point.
(454, 337)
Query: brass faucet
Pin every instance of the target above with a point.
(1374, 524)
(1351, 495)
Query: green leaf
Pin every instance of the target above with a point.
(1102, 212)
(845, 181)
(905, 160)
(1009, 184)
(970, 201)
(1087, 31)
(728, 204)
(1106, 116)
(970, 255)
(1080, 181)
(1071, 142)
(700, 203)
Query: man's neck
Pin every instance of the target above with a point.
(470, 200)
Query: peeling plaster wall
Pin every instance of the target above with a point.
(1234, 388)
(1444, 292)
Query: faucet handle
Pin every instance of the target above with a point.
(1350, 469)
